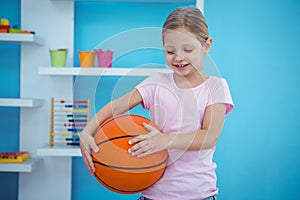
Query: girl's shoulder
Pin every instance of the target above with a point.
(214, 81)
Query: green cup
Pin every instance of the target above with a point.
(58, 57)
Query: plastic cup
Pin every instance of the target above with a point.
(104, 58)
(87, 58)
(58, 57)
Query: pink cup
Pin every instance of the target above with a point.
(104, 57)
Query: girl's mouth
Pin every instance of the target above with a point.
(181, 66)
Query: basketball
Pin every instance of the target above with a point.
(118, 170)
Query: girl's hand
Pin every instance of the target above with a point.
(149, 143)
(87, 144)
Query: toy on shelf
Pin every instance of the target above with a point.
(67, 119)
(13, 157)
(6, 28)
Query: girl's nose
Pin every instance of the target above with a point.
(179, 57)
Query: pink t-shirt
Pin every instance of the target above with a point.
(190, 174)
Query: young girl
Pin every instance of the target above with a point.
(188, 106)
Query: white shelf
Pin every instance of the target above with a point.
(16, 102)
(80, 71)
(59, 150)
(19, 37)
(26, 166)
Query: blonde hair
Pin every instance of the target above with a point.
(190, 18)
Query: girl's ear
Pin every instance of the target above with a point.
(207, 45)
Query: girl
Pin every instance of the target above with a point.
(188, 106)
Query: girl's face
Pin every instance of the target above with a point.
(184, 52)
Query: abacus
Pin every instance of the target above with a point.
(14, 157)
(67, 119)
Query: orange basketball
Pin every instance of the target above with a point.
(118, 170)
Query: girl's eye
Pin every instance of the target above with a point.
(188, 50)
(170, 52)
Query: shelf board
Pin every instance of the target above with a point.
(26, 166)
(19, 37)
(17, 102)
(59, 150)
(80, 71)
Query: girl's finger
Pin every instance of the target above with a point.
(144, 154)
(89, 143)
(91, 163)
(142, 150)
(86, 154)
(86, 162)
(94, 146)
(137, 139)
(137, 146)
(148, 127)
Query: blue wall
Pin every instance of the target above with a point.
(9, 88)
(96, 22)
(256, 47)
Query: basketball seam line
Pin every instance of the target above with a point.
(132, 168)
(115, 138)
(118, 116)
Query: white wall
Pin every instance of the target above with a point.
(54, 22)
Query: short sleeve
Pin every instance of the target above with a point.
(219, 93)
(147, 90)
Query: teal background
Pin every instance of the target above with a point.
(9, 88)
(255, 47)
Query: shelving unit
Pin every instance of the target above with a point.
(19, 37)
(17, 102)
(27, 166)
(31, 164)
(77, 71)
(55, 172)
(59, 151)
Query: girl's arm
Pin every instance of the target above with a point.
(118, 106)
(205, 138)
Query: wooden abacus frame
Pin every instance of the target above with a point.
(66, 111)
